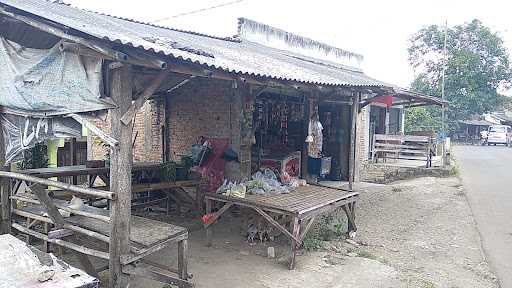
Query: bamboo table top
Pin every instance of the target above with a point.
(299, 201)
(143, 231)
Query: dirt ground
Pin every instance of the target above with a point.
(417, 233)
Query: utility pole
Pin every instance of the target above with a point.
(443, 121)
(446, 153)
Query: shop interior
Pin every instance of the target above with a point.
(280, 124)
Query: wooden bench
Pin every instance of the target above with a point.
(402, 147)
(146, 236)
(301, 206)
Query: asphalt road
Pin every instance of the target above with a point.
(486, 173)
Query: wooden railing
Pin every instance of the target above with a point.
(402, 147)
(36, 205)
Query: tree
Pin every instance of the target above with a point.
(477, 65)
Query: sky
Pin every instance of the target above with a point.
(379, 30)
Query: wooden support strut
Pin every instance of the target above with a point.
(276, 224)
(45, 200)
(217, 214)
(97, 131)
(144, 96)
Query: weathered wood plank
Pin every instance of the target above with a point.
(155, 273)
(409, 138)
(278, 225)
(120, 174)
(48, 204)
(295, 244)
(27, 214)
(217, 214)
(5, 213)
(183, 259)
(63, 243)
(57, 184)
(144, 96)
(97, 131)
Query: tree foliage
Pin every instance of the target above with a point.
(477, 66)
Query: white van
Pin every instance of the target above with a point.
(499, 134)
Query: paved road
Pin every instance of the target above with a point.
(487, 176)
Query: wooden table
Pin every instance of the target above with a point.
(302, 205)
(174, 191)
(180, 196)
(21, 266)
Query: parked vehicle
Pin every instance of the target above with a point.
(499, 134)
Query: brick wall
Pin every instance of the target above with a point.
(147, 134)
(209, 108)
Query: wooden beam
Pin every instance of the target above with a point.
(72, 246)
(183, 259)
(306, 228)
(144, 96)
(277, 225)
(48, 204)
(64, 186)
(97, 131)
(5, 213)
(158, 274)
(74, 228)
(217, 214)
(120, 175)
(65, 208)
(50, 29)
(132, 58)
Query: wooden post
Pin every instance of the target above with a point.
(295, 245)
(387, 121)
(209, 210)
(305, 129)
(353, 140)
(5, 216)
(120, 174)
(183, 259)
(73, 153)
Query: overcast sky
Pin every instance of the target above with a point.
(377, 29)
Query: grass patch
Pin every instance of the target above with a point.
(312, 243)
(327, 228)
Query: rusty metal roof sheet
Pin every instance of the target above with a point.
(231, 55)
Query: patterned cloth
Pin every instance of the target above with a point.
(315, 139)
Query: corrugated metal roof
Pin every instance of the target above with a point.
(234, 56)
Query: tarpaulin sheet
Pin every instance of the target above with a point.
(48, 82)
(23, 132)
(38, 87)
